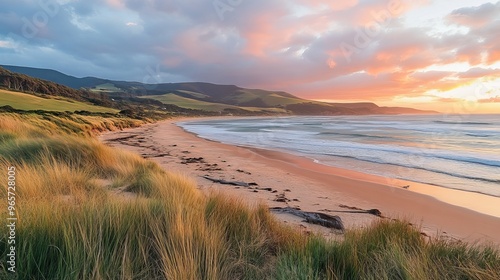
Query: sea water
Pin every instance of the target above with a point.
(453, 151)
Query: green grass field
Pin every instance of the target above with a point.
(189, 103)
(24, 101)
(194, 94)
(268, 99)
(108, 87)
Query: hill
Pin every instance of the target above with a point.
(196, 104)
(23, 92)
(27, 84)
(56, 77)
(28, 102)
(207, 97)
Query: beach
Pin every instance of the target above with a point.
(283, 180)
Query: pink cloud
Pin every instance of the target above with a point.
(475, 17)
(116, 3)
(332, 5)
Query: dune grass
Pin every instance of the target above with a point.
(40, 126)
(88, 211)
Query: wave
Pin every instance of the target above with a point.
(428, 153)
(420, 168)
(478, 135)
(355, 135)
(485, 162)
(466, 123)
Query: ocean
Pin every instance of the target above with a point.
(452, 151)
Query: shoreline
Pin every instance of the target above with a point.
(475, 201)
(308, 185)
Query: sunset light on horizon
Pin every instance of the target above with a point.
(434, 55)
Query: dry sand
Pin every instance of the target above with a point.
(311, 186)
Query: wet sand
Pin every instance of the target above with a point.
(283, 180)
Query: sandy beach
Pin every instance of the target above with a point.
(280, 180)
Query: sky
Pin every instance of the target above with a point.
(442, 55)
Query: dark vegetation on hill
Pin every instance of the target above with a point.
(56, 77)
(24, 83)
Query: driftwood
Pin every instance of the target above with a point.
(313, 217)
(155, 155)
(374, 212)
(120, 139)
(233, 183)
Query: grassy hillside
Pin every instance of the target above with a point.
(190, 103)
(185, 102)
(225, 94)
(24, 101)
(27, 84)
(88, 211)
(105, 88)
(27, 93)
(260, 98)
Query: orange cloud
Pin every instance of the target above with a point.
(495, 99)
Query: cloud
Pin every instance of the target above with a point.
(320, 48)
(495, 99)
(475, 17)
(450, 100)
(478, 72)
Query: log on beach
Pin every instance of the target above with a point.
(233, 183)
(322, 219)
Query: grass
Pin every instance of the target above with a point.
(194, 94)
(24, 101)
(268, 99)
(189, 103)
(108, 87)
(88, 211)
(35, 125)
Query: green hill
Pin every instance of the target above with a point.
(24, 101)
(221, 94)
(27, 84)
(184, 102)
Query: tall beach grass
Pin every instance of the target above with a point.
(88, 211)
